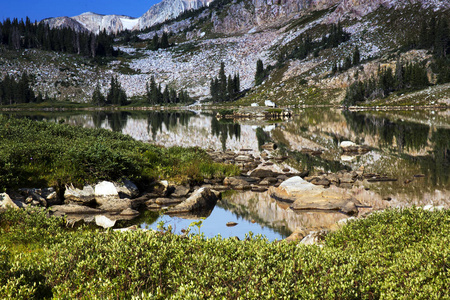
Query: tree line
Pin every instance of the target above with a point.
(116, 94)
(405, 76)
(159, 43)
(157, 95)
(21, 34)
(18, 91)
(223, 88)
(306, 45)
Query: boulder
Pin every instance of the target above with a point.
(203, 198)
(127, 189)
(73, 195)
(294, 188)
(7, 202)
(116, 205)
(307, 196)
(263, 173)
(234, 181)
(180, 191)
(105, 192)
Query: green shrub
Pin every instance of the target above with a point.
(393, 254)
(43, 154)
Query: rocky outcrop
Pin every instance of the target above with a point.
(169, 9)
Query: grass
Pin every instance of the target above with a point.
(390, 255)
(42, 154)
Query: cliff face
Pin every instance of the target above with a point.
(168, 9)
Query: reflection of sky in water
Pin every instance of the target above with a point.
(216, 224)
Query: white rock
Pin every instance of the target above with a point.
(6, 201)
(105, 191)
(347, 144)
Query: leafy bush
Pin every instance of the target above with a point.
(393, 254)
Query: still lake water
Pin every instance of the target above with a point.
(404, 144)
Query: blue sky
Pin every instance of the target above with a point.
(41, 9)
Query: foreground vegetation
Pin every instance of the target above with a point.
(42, 154)
(391, 255)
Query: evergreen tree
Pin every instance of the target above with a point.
(260, 74)
(165, 41)
(222, 83)
(97, 97)
(356, 57)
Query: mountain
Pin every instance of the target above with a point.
(95, 22)
(158, 13)
(293, 39)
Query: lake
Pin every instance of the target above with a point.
(411, 146)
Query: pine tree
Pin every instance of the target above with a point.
(356, 57)
(222, 83)
(97, 97)
(259, 75)
(165, 41)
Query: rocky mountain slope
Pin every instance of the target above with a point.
(238, 33)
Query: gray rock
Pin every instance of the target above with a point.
(127, 189)
(180, 191)
(168, 201)
(234, 181)
(85, 196)
(116, 205)
(263, 173)
(73, 209)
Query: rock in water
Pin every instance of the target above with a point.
(307, 196)
(203, 198)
